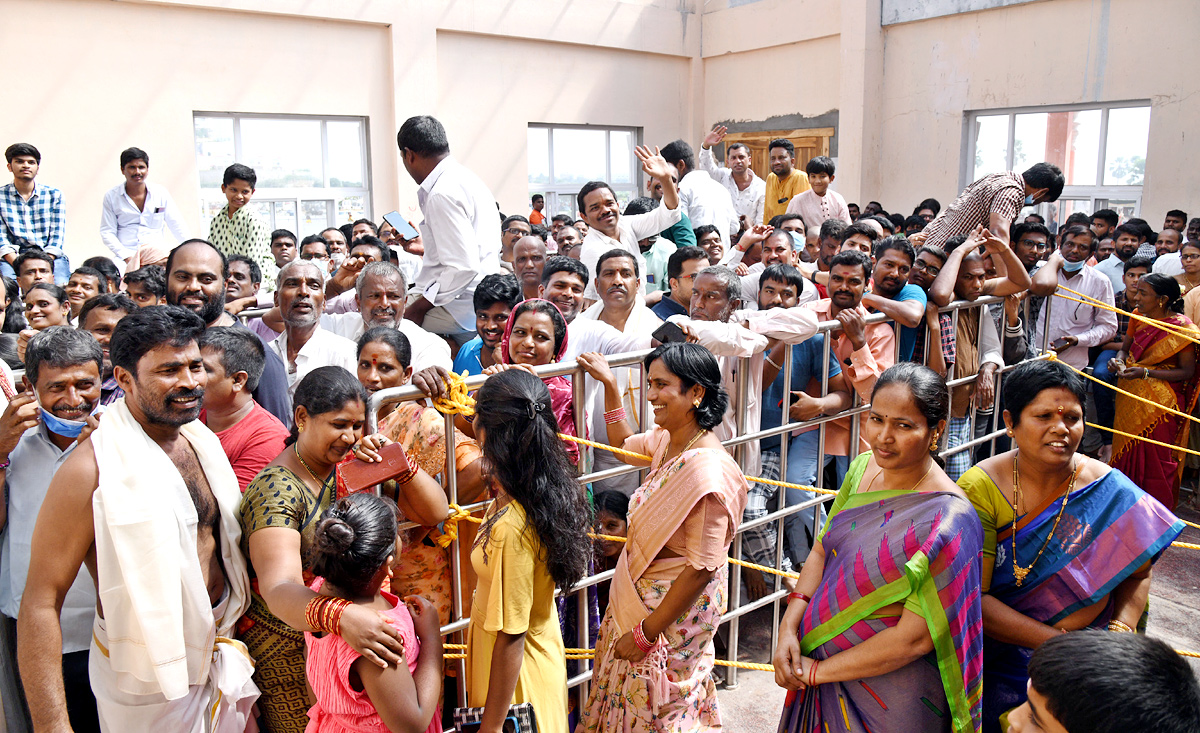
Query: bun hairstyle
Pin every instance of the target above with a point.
(353, 540)
(527, 458)
(695, 365)
(1166, 287)
(928, 390)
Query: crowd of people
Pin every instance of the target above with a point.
(196, 548)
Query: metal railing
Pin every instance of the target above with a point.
(736, 609)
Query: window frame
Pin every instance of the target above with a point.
(294, 195)
(569, 191)
(1099, 194)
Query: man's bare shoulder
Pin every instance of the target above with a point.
(78, 476)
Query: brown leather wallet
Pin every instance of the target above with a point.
(359, 475)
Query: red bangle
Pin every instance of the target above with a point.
(812, 673)
(799, 597)
(639, 638)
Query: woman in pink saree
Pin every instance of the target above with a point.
(655, 649)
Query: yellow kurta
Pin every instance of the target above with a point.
(515, 594)
(780, 192)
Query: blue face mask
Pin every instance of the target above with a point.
(1029, 201)
(1073, 266)
(66, 428)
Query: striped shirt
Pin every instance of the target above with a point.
(1002, 194)
(41, 219)
(244, 234)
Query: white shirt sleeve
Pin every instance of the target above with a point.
(989, 340)
(454, 236)
(653, 222)
(724, 339)
(108, 226)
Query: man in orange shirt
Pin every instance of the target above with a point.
(536, 216)
(784, 181)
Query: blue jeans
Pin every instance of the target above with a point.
(62, 270)
(803, 464)
(1106, 399)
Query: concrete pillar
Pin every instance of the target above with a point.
(860, 121)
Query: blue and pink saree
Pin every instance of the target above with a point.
(883, 548)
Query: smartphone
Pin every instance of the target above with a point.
(1059, 343)
(404, 230)
(669, 333)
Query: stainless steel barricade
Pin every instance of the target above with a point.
(776, 516)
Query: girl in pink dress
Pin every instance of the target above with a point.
(352, 552)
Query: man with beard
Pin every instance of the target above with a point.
(784, 181)
(100, 317)
(569, 241)
(529, 257)
(620, 307)
(682, 268)
(38, 431)
(1167, 248)
(892, 294)
(197, 276)
(304, 345)
(803, 399)
(744, 186)
(1127, 240)
(864, 351)
(149, 503)
(715, 318)
(977, 342)
(495, 297)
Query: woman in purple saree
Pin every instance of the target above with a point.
(891, 639)
(1085, 535)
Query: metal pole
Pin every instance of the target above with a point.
(741, 386)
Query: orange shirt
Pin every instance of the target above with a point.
(537, 217)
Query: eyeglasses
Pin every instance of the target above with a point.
(933, 270)
(510, 230)
(1189, 257)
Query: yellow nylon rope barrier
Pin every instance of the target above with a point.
(1054, 357)
(1147, 440)
(1089, 300)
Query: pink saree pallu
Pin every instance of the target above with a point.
(670, 689)
(888, 547)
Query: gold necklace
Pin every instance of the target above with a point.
(296, 449)
(1019, 572)
(914, 486)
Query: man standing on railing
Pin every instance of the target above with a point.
(993, 202)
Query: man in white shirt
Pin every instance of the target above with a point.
(1167, 247)
(747, 190)
(1074, 328)
(304, 345)
(716, 319)
(607, 229)
(139, 214)
(779, 247)
(620, 307)
(462, 241)
(703, 199)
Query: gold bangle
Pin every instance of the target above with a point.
(1120, 627)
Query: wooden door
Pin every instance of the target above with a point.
(809, 144)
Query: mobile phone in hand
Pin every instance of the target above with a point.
(669, 333)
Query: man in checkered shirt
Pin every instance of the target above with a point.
(32, 214)
(994, 202)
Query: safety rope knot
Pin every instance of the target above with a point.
(449, 531)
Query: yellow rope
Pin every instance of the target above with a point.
(1197, 526)
(786, 485)
(1054, 357)
(1147, 440)
(1185, 545)
(1183, 331)
(605, 446)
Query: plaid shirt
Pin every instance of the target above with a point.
(1122, 319)
(949, 345)
(1002, 194)
(41, 219)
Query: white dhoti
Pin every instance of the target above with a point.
(162, 659)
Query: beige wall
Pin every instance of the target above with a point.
(1062, 52)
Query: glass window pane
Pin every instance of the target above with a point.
(991, 145)
(284, 153)
(1072, 142)
(209, 208)
(620, 156)
(350, 208)
(563, 203)
(315, 216)
(624, 197)
(345, 154)
(285, 216)
(214, 149)
(1061, 210)
(1125, 208)
(538, 143)
(262, 211)
(1125, 149)
(579, 156)
(1029, 140)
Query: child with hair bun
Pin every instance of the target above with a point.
(352, 551)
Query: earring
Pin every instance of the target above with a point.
(933, 444)
(696, 403)
(1010, 432)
